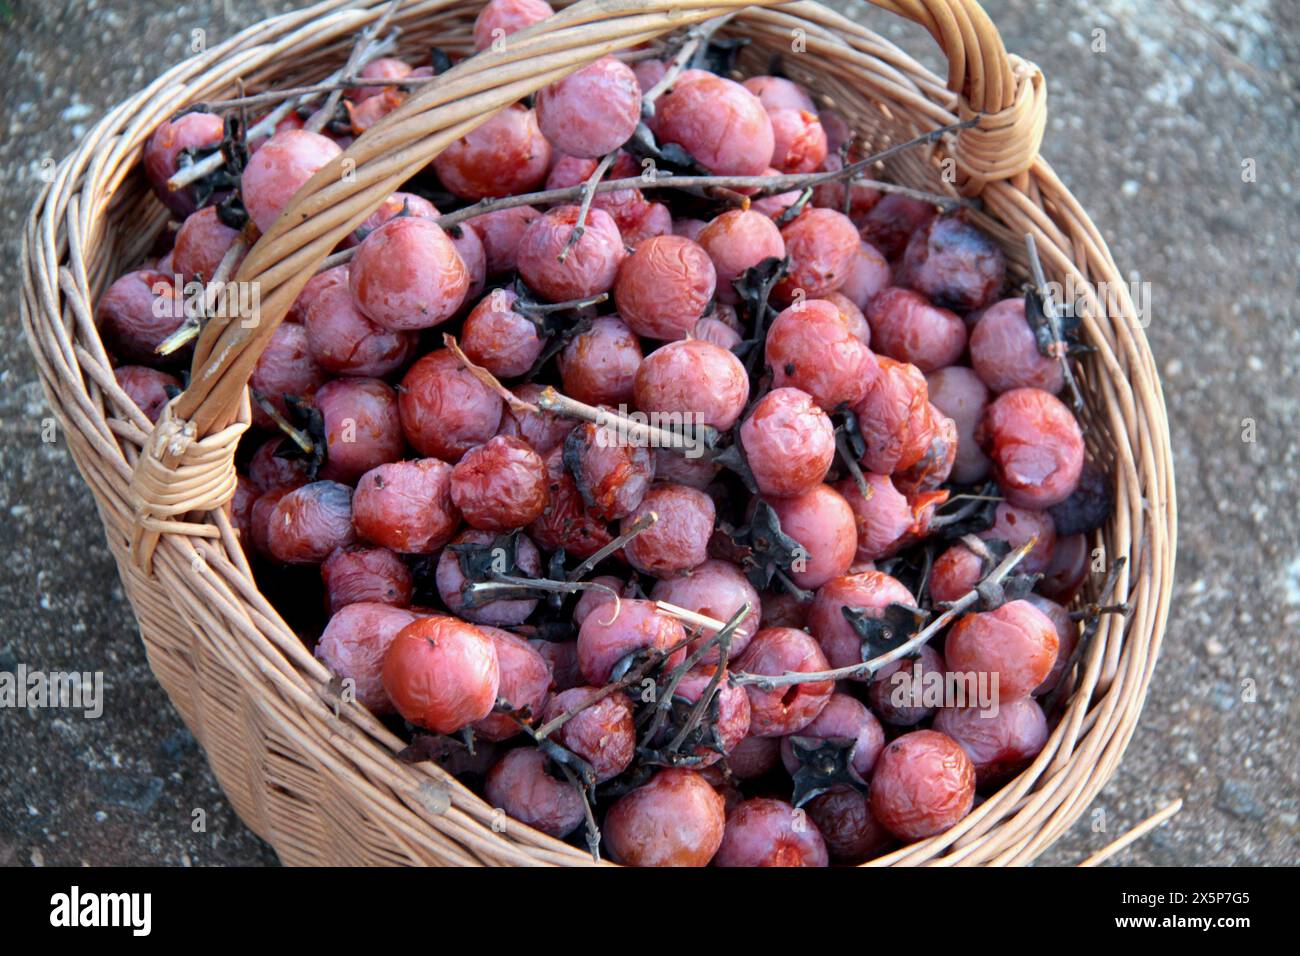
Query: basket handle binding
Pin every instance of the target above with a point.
(187, 464)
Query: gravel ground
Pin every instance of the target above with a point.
(1155, 134)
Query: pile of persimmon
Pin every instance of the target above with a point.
(534, 596)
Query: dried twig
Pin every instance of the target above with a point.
(1059, 345)
(634, 674)
(588, 192)
(693, 39)
(722, 636)
(266, 126)
(362, 53)
(641, 523)
(967, 600)
(189, 329)
(489, 380)
(641, 432)
(765, 186)
(1093, 612)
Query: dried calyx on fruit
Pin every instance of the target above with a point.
(770, 552)
(492, 572)
(754, 287)
(883, 631)
(824, 763)
(304, 432)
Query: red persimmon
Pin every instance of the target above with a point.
(500, 18)
(357, 573)
(565, 522)
(679, 540)
(279, 168)
(1071, 560)
(737, 240)
(407, 275)
(500, 231)
(850, 830)
(593, 110)
(676, 819)
(1067, 634)
(1016, 526)
(500, 485)
(638, 626)
(503, 341)
(353, 646)
(767, 832)
(1000, 742)
(719, 122)
(843, 718)
(811, 346)
(779, 93)
(923, 784)
(869, 273)
(956, 571)
(406, 506)
(602, 732)
(896, 691)
(611, 474)
(343, 341)
(788, 442)
(869, 591)
(446, 411)
(891, 222)
(195, 130)
(729, 710)
(541, 429)
(147, 387)
(716, 589)
(599, 365)
(590, 265)
(664, 287)
(362, 426)
(137, 313)
(1036, 447)
(441, 673)
(907, 328)
(308, 523)
(451, 581)
(822, 245)
(695, 378)
(954, 264)
(894, 418)
(1016, 644)
(958, 392)
(786, 709)
(798, 140)
(822, 522)
(883, 516)
(201, 244)
(504, 156)
(1004, 352)
(525, 683)
(520, 784)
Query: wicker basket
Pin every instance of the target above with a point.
(320, 781)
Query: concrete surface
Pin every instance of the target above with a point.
(1151, 134)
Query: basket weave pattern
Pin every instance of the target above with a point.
(317, 778)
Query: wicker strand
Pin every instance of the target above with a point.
(178, 473)
(1139, 831)
(1004, 144)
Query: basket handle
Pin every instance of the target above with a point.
(187, 465)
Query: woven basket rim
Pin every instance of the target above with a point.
(200, 588)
